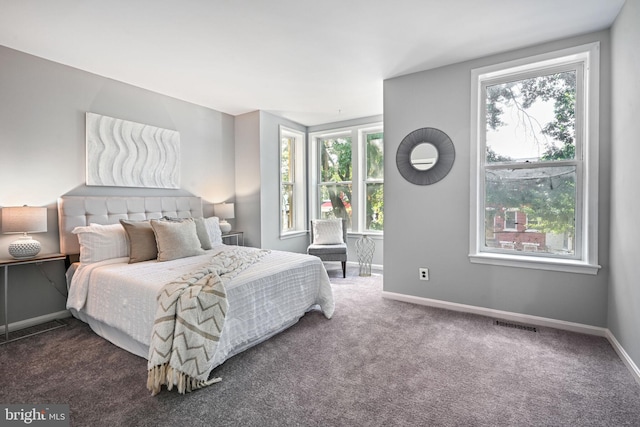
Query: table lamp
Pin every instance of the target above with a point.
(224, 211)
(24, 219)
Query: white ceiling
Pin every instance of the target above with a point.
(310, 61)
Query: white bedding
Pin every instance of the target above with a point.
(119, 299)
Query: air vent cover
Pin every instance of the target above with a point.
(514, 326)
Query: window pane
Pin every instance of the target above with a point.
(288, 205)
(335, 202)
(374, 204)
(286, 159)
(375, 157)
(532, 119)
(335, 159)
(531, 209)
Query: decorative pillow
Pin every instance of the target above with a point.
(142, 240)
(327, 232)
(176, 239)
(201, 230)
(212, 225)
(100, 242)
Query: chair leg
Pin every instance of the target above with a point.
(344, 269)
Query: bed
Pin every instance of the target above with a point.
(118, 299)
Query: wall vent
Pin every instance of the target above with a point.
(514, 326)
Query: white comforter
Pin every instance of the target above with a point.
(264, 299)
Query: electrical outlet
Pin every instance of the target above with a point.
(424, 273)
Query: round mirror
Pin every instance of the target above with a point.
(424, 156)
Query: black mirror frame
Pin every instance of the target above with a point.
(446, 156)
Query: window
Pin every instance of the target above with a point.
(374, 180)
(292, 182)
(510, 220)
(348, 169)
(534, 162)
(335, 186)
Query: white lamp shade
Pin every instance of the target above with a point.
(24, 219)
(224, 210)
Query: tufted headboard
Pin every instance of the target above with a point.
(76, 211)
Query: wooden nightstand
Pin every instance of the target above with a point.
(6, 263)
(239, 236)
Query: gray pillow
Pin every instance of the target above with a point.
(176, 239)
(142, 240)
(201, 230)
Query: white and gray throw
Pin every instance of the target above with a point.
(189, 318)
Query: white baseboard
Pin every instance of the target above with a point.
(373, 266)
(527, 319)
(506, 315)
(624, 356)
(36, 321)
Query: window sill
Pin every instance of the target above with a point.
(375, 235)
(538, 263)
(294, 234)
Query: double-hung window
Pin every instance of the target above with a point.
(374, 179)
(348, 177)
(336, 168)
(534, 161)
(292, 182)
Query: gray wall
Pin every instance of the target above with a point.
(270, 178)
(42, 154)
(428, 226)
(247, 172)
(258, 181)
(624, 285)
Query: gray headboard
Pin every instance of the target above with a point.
(76, 211)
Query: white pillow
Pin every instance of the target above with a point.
(100, 242)
(327, 232)
(212, 225)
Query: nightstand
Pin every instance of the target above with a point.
(8, 262)
(239, 236)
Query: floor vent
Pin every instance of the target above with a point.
(514, 326)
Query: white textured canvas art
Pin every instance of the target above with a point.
(128, 154)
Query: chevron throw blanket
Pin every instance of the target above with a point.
(189, 318)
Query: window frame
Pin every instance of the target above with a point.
(585, 258)
(359, 173)
(365, 181)
(297, 181)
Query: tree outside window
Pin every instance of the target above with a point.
(292, 182)
(349, 171)
(336, 170)
(374, 183)
(530, 164)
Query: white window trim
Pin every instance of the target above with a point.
(359, 174)
(299, 183)
(362, 135)
(586, 261)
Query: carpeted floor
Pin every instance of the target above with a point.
(377, 362)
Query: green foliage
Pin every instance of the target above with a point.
(336, 174)
(336, 166)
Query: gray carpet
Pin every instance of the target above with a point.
(377, 362)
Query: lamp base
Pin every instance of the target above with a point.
(24, 247)
(225, 227)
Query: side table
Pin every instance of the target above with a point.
(239, 236)
(6, 263)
